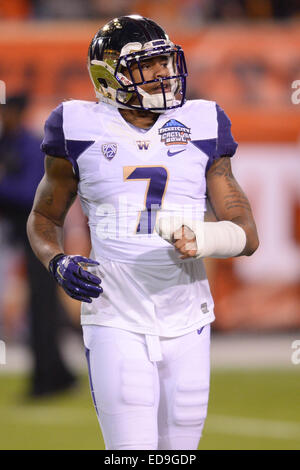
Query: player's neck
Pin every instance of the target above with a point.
(139, 118)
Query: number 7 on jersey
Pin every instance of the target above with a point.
(157, 177)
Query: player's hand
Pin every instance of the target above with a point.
(70, 273)
(184, 241)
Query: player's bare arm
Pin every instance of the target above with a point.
(55, 195)
(229, 202)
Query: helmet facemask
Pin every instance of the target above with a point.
(114, 87)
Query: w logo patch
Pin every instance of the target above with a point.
(143, 144)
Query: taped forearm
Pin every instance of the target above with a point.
(222, 239)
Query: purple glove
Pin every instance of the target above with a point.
(69, 273)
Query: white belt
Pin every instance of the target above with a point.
(154, 348)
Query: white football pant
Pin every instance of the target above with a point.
(149, 392)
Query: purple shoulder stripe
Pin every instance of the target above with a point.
(226, 144)
(54, 143)
(75, 149)
(208, 146)
(223, 145)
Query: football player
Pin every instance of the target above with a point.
(143, 161)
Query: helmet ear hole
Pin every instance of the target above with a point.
(103, 82)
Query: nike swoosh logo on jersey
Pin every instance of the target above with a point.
(171, 154)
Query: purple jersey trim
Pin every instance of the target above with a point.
(223, 145)
(226, 144)
(208, 146)
(87, 354)
(55, 143)
(75, 149)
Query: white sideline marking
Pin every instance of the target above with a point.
(253, 427)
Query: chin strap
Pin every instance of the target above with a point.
(157, 100)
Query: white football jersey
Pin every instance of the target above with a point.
(128, 178)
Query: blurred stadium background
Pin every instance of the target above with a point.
(244, 54)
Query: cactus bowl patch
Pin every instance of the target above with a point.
(174, 133)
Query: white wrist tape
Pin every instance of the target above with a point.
(222, 239)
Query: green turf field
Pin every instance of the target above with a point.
(248, 409)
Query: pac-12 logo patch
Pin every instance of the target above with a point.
(109, 150)
(174, 133)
